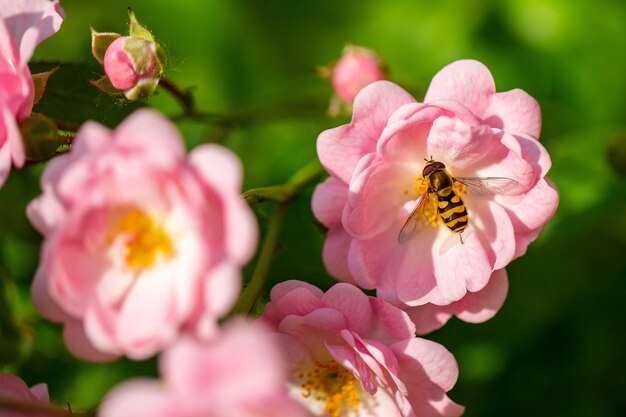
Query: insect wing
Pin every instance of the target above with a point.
(415, 221)
(488, 185)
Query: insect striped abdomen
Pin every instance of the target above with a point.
(452, 210)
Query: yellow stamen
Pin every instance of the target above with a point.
(144, 240)
(431, 213)
(335, 386)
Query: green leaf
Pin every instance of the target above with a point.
(71, 100)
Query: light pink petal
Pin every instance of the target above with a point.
(317, 328)
(493, 227)
(430, 317)
(532, 210)
(460, 145)
(31, 22)
(79, 345)
(514, 111)
(153, 136)
(429, 371)
(299, 301)
(40, 391)
(13, 387)
(5, 162)
(138, 397)
(404, 137)
(354, 305)
(45, 212)
(283, 288)
(340, 148)
(376, 195)
(222, 171)
(222, 287)
(467, 82)
(14, 140)
(391, 325)
(147, 318)
(91, 136)
(394, 267)
(205, 373)
(477, 307)
(460, 267)
(42, 300)
(328, 201)
(335, 254)
(437, 364)
(522, 159)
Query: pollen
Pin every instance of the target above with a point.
(333, 385)
(430, 211)
(144, 240)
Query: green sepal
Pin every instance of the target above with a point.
(40, 82)
(103, 84)
(136, 29)
(143, 89)
(100, 42)
(41, 138)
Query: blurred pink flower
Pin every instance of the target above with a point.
(240, 373)
(376, 163)
(140, 240)
(350, 354)
(15, 390)
(24, 24)
(356, 68)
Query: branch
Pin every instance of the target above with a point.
(283, 195)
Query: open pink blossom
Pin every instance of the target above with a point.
(23, 25)
(376, 165)
(240, 373)
(15, 391)
(350, 354)
(141, 240)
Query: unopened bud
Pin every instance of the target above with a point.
(356, 68)
(133, 64)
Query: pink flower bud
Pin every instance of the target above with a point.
(356, 68)
(134, 65)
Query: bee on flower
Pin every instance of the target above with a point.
(428, 202)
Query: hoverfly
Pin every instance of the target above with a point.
(449, 205)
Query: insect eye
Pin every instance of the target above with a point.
(439, 165)
(428, 169)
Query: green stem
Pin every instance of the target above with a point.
(285, 192)
(184, 97)
(283, 195)
(251, 293)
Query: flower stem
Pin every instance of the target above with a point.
(285, 192)
(184, 97)
(283, 195)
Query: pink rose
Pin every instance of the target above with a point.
(15, 391)
(376, 165)
(140, 240)
(23, 25)
(350, 354)
(238, 374)
(356, 68)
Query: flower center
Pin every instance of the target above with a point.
(143, 240)
(334, 385)
(430, 208)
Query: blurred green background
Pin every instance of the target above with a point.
(557, 347)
